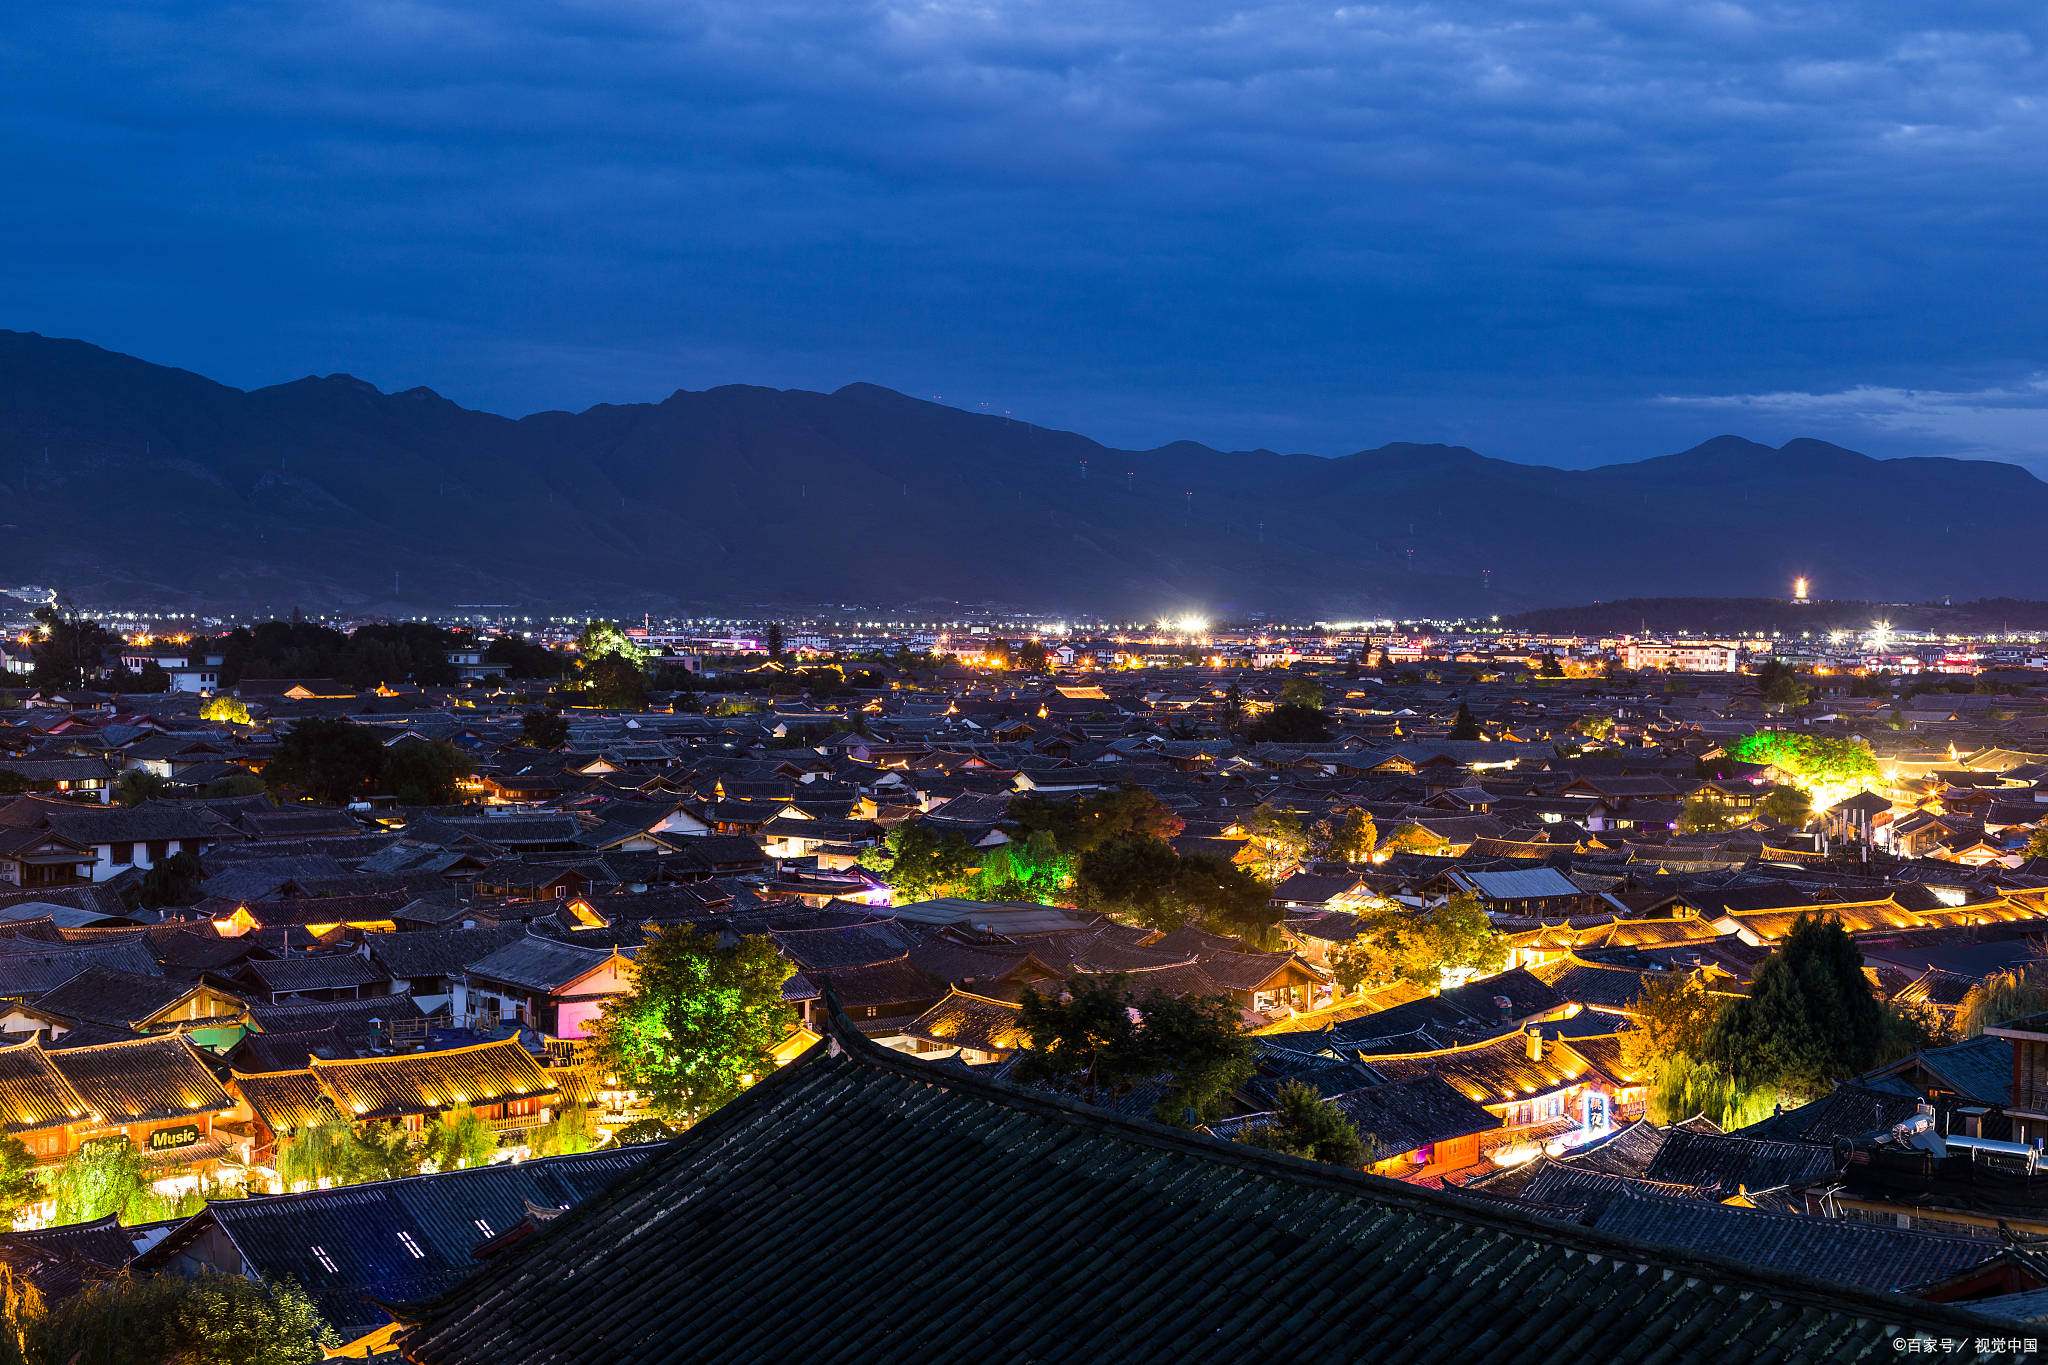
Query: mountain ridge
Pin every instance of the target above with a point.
(160, 486)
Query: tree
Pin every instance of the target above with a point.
(606, 640)
(380, 1151)
(1032, 656)
(1132, 878)
(1674, 1014)
(1198, 1043)
(1787, 806)
(616, 683)
(919, 863)
(1465, 726)
(1781, 685)
(1394, 943)
(1225, 898)
(1826, 769)
(1595, 726)
(520, 657)
(19, 1184)
(70, 650)
(462, 1139)
(1302, 690)
(1809, 1018)
(1079, 824)
(543, 729)
(572, 1129)
(1233, 709)
(775, 640)
(329, 761)
(1352, 837)
(224, 710)
(175, 880)
(425, 772)
(316, 1152)
(1289, 724)
(1409, 837)
(1304, 1124)
(701, 1022)
(1703, 814)
(1276, 841)
(99, 1178)
(1549, 667)
(1033, 870)
(1100, 1042)
(2003, 996)
(138, 785)
(208, 1318)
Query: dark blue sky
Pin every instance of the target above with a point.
(1567, 233)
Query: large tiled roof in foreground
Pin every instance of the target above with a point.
(1022, 1227)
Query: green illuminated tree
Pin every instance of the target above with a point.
(1034, 870)
(571, 1130)
(19, 1183)
(99, 1178)
(701, 1021)
(1302, 690)
(1304, 1124)
(1674, 1015)
(1816, 763)
(1395, 943)
(208, 1318)
(461, 1139)
(606, 640)
(921, 864)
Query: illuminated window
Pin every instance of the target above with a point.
(483, 1227)
(405, 1240)
(326, 1261)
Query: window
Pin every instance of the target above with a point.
(159, 849)
(482, 1226)
(326, 1261)
(405, 1240)
(121, 854)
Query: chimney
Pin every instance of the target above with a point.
(1534, 1038)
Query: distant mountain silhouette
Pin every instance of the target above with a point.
(122, 480)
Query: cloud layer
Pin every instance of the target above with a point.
(1516, 224)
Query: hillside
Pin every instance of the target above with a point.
(125, 480)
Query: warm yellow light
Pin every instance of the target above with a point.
(1190, 625)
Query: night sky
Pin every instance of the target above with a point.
(1566, 233)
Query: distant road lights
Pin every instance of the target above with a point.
(1191, 625)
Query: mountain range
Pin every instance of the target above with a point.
(124, 481)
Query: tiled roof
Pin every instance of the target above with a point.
(542, 964)
(1727, 1162)
(33, 1093)
(366, 1088)
(1122, 1240)
(138, 1082)
(356, 1247)
(283, 1100)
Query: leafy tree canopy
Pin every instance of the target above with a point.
(1809, 1018)
(208, 1318)
(1825, 768)
(1306, 1125)
(1101, 1042)
(327, 760)
(701, 1021)
(543, 729)
(1289, 723)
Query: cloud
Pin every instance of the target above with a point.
(1345, 213)
(2002, 423)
